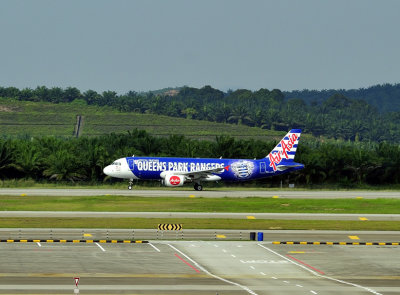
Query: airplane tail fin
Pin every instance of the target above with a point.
(285, 149)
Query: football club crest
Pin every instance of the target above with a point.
(243, 169)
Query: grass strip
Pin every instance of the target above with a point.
(179, 204)
(192, 223)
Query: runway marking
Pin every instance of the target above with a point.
(87, 235)
(223, 250)
(275, 197)
(221, 237)
(102, 249)
(234, 256)
(213, 275)
(158, 250)
(354, 237)
(286, 282)
(319, 275)
(363, 218)
(187, 263)
(263, 273)
(299, 261)
(250, 217)
(252, 267)
(300, 286)
(313, 292)
(274, 278)
(40, 245)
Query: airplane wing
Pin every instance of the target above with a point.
(206, 173)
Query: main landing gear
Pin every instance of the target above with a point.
(198, 187)
(130, 184)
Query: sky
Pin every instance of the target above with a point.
(147, 45)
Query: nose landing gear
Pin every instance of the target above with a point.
(130, 184)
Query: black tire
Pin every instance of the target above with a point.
(198, 187)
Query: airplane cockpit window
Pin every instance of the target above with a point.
(116, 163)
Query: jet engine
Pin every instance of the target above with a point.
(174, 180)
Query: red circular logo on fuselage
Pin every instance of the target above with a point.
(174, 180)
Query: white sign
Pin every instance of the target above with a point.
(265, 261)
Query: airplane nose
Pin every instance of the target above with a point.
(106, 170)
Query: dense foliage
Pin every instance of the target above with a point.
(343, 163)
(337, 117)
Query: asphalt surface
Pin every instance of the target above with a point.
(198, 234)
(213, 267)
(318, 194)
(168, 265)
(287, 216)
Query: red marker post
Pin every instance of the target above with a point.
(76, 282)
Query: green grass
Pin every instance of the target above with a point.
(41, 119)
(174, 204)
(188, 223)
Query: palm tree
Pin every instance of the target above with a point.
(62, 165)
(6, 158)
(240, 115)
(29, 160)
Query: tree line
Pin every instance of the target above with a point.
(83, 159)
(337, 117)
(384, 97)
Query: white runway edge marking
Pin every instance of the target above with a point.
(313, 292)
(213, 275)
(234, 256)
(102, 249)
(319, 275)
(158, 250)
(40, 245)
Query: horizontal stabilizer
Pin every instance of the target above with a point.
(288, 166)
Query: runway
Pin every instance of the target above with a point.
(249, 215)
(202, 267)
(207, 193)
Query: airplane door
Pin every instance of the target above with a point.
(131, 164)
(263, 168)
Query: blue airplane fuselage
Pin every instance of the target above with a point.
(150, 168)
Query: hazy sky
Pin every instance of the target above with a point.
(148, 45)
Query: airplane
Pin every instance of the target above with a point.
(175, 172)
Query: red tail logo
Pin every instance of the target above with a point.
(276, 157)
